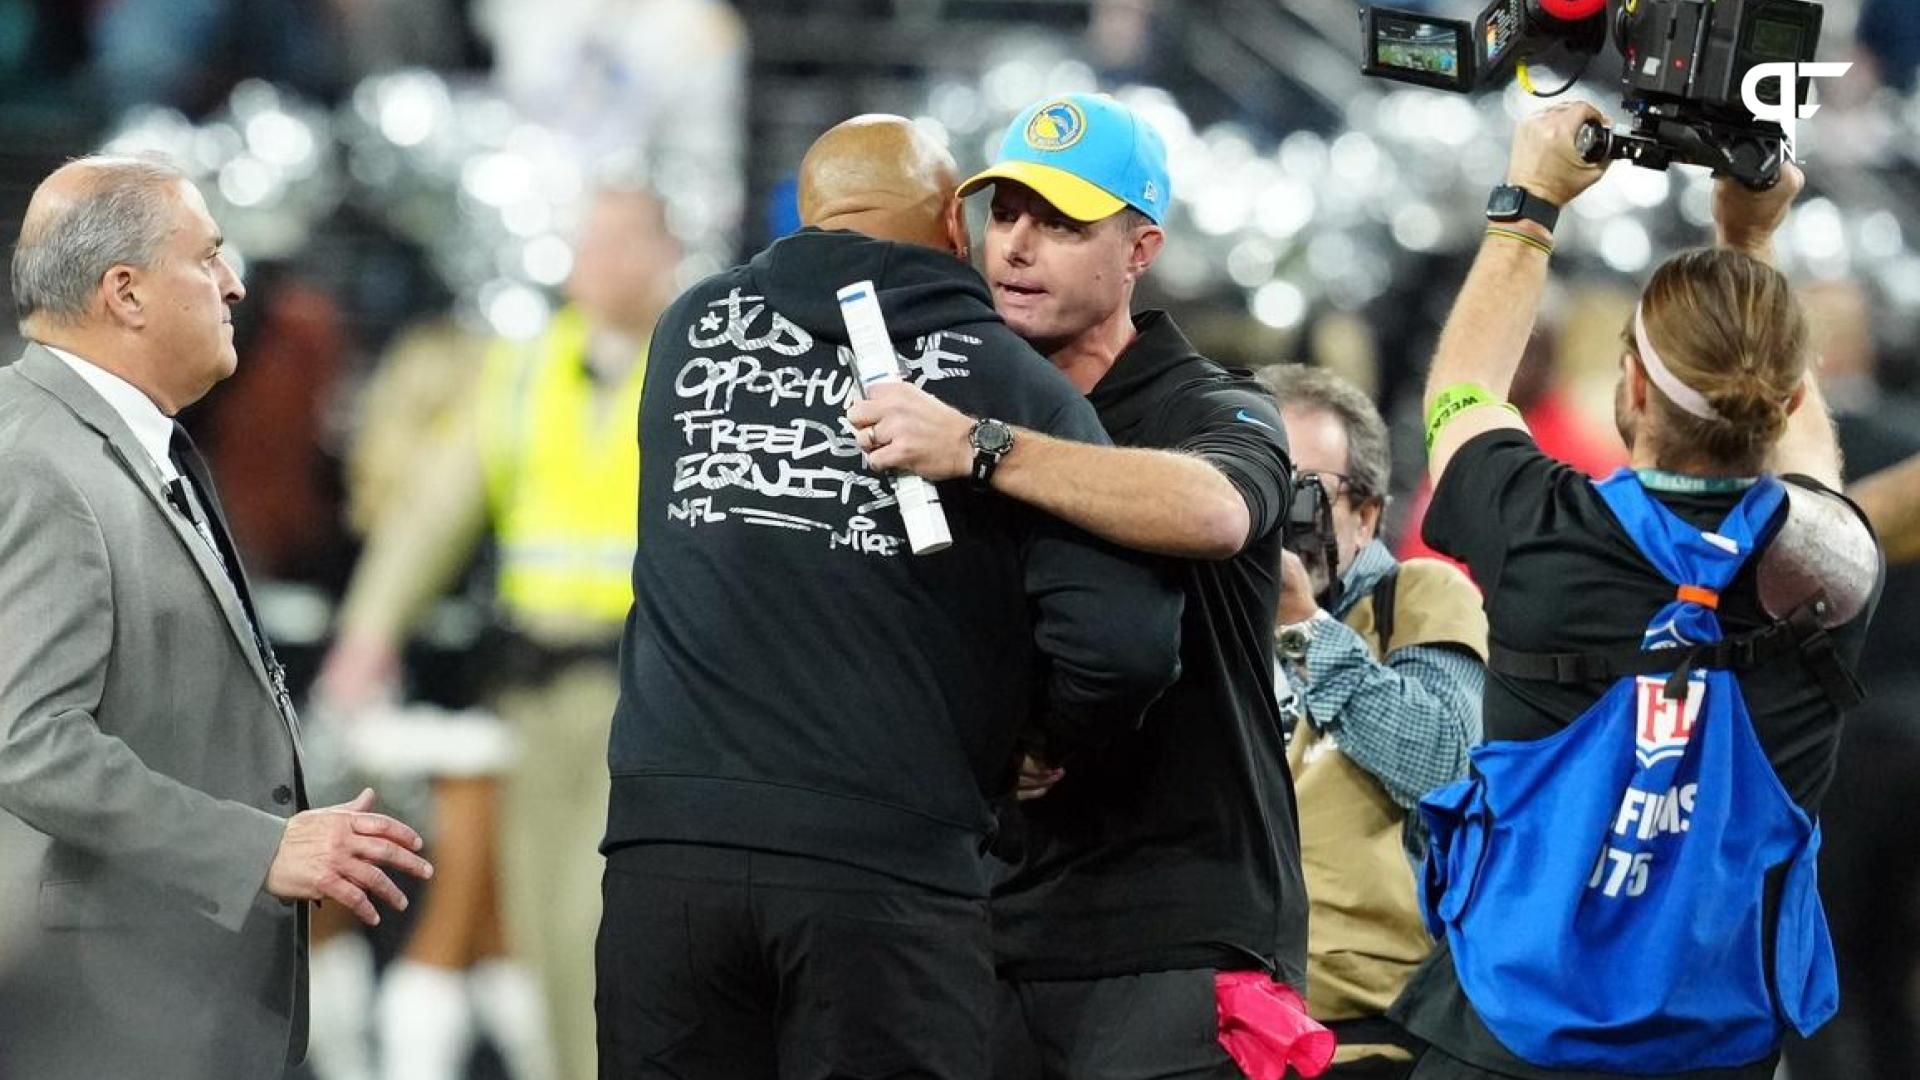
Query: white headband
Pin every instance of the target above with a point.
(1691, 401)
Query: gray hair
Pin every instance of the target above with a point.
(122, 217)
(1369, 463)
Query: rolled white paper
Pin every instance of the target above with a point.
(874, 362)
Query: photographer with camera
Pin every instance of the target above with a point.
(1388, 659)
(1625, 885)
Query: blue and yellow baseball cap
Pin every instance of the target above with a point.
(1087, 154)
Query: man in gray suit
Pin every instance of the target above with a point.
(155, 852)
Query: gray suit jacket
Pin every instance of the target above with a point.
(146, 770)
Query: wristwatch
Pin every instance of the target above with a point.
(990, 439)
(1511, 203)
(1293, 638)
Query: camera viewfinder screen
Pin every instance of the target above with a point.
(1408, 44)
(1776, 39)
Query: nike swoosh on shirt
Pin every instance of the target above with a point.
(1246, 417)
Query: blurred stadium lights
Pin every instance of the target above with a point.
(1696, 201)
(1878, 235)
(407, 108)
(1417, 227)
(1819, 236)
(1285, 208)
(548, 260)
(1279, 304)
(1642, 188)
(266, 164)
(1284, 222)
(1303, 154)
(498, 179)
(514, 310)
(247, 182)
(1625, 245)
(1901, 279)
(1183, 270)
(1250, 264)
(488, 196)
(1406, 179)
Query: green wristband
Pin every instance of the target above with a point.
(1455, 400)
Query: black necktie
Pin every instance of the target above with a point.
(195, 493)
(192, 494)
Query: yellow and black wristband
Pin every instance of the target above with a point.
(1455, 400)
(1533, 242)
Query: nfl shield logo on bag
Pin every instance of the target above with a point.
(1662, 725)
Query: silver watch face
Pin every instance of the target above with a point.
(992, 437)
(1293, 641)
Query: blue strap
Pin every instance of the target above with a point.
(1685, 555)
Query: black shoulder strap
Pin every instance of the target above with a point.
(1800, 633)
(1383, 592)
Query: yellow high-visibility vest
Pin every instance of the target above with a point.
(562, 460)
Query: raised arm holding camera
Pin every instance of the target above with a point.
(1625, 884)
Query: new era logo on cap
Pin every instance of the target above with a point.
(1087, 154)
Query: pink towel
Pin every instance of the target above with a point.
(1264, 1026)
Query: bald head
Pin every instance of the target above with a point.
(90, 215)
(883, 177)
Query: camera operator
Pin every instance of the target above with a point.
(1625, 884)
(1388, 659)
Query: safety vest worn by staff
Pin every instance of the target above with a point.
(562, 461)
(1604, 889)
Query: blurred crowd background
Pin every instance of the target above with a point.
(402, 181)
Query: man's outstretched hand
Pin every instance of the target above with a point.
(336, 852)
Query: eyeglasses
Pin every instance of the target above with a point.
(1334, 483)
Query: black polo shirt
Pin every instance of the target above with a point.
(1177, 845)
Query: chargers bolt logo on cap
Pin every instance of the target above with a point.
(1056, 126)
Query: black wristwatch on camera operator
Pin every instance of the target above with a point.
(990, 439)
(1512, 203)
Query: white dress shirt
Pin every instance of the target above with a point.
(151, 427)
(153, 430)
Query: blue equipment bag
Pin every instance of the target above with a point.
(1603, 890)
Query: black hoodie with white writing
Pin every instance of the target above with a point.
(793, 678)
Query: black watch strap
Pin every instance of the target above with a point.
(983, 465)
(1509, 202)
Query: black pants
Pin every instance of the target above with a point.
(1159, 1026)
(741, 965)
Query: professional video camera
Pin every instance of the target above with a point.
(1686, 62)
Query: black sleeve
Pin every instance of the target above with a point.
(1233, 424)
(1107, 620)
(1494, 491)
